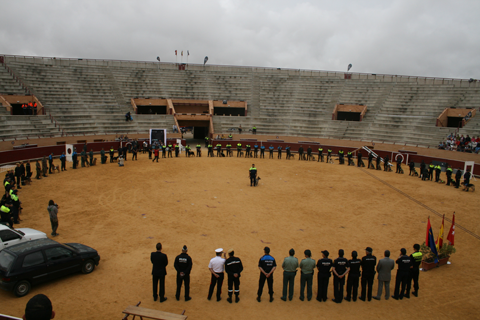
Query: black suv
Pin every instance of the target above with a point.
(36, 261)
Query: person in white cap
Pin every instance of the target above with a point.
(216, 267)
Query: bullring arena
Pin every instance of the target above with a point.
(206, 203)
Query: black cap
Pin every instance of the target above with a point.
(326, 253)
(368, 249)
(403, 251)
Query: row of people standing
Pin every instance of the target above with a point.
(360, 272)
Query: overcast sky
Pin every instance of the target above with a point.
(426, 38)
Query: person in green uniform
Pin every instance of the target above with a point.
(307, 267)
(229, 149)
(219, 149)
(199, 150)
(210, 150)
(187, 150)
(431, 167)
(320, 154)
(247, 151)
(254, 130)
(341, 155)
(289, 265)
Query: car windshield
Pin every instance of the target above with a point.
(6, 260)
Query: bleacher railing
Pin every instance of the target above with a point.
(213, 67)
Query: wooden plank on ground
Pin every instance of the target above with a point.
(153, 314)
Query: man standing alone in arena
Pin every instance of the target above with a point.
(183, 266)
(233, 268)
(267, 266)
(253, 175)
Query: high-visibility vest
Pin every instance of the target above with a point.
(340, 152)
(449, 170)
(247, 146)
(35, 105)
(14, 197)
(438, 168)
(329, 151)
(349, 153)
(417, 256)
(229, 145)
(219, 145)
(254, 128)
(30, 104)
(198, 146)
(5, 209)
(320, 150)
(230, 136)
(210, 146)
(239, 146)
(431, 166)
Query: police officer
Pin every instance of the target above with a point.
(233, 268)
(247, 151)
(300, 153)
(239, 149)
(111, 153)
(216, 267)
(340, 270)
(253, 175)
(329, 155)
(385, 163)
(150, 150)
(324, 266)
(449, 172)
(349, 158)
(431, 167)
(91, 157)
(255, 150)
(320, 154)
(230, 136)
(254, 130)
(177, 149)
(466, 180)
(458, 176)
(353, 277)
(170, 147)
(50, 163)
(438, 171)
(206, 142)
(187, 150)
(164, 150)
(287, 150)
(134, 152)
(44, 166)
(368, 264)
(359, 159)
(229, 151)
(63, 160)
(399, 165)
(199, 150)
(74, 158)
(378, 162)
(103, 158)
(411, 165)
(210, 150)
(370, 159)
(267, 266)
(219, 149)
(423, 170)
(309, 153)
(183, 265)
(341, 156)
(262, 151)
(416, 258)
(279, 152)
(270, 149)
(403, 272)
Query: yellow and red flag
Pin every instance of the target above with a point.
(439, 241)
(451, 233)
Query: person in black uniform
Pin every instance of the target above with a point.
(431, 167)
(90, 154)
(466, 180)
(134, 152)
(177, 150)
(341, 157)
(458, 176)
(359, 160)
(239, 149)
(320, 154)
(111, 154)
(403, 272)
(368, 264)
(386, 166)
(28, 170)
(267, 266)
(340, 270)
(183, 265)
(438, 171)
(399, 165)
(18, 175)
(411, 165)
(416, 258)
(353, 277)
(233, 268)
(324, 266)
(159, 261)
(379, 159)
(449, 172)
(210, 150)
(279, 152)
(125, 150)
(247, 151)
(423, 170)
(349, 158)
(329, 155)
(370, 159)
(300, 153)
(199, 150)
(309, 153)
(253, 175)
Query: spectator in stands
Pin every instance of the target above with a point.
(240, 129)
(39, 308)
(128, 116)
(441, 145)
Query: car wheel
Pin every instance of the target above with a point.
(22, 288)
(88, 266)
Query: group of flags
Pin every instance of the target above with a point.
(188, 52)
(436, 245)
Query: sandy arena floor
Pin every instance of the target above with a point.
(207, 203)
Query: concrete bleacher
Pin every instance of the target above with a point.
(92, 96)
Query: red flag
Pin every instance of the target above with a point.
(175, 52)
(439, 241)
(451, 233)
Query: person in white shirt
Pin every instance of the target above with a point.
(216, 267)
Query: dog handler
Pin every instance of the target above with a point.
(253, 175)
